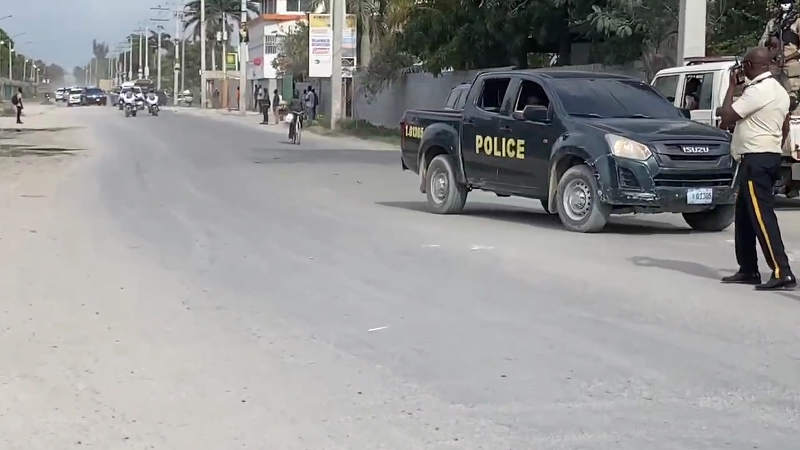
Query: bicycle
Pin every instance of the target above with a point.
(295, 128)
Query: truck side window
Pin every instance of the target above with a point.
(453, 98)
(462, 100)
(492, 94)
(531, 93)
(667, 86)
(698, 90)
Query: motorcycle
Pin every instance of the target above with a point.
(153, 109)
(130, 109)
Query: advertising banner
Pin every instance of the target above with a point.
(320, 46)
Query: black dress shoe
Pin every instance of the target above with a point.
(786, 283)
(743, 278)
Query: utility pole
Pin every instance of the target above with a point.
(139, 72)
(176, 67)
(178, 14)
(130, 58)
(203, 37)
(147, 50)
(337, 27)
(243, 57)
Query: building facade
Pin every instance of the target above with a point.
(277, 19)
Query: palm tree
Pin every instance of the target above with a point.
(218, 12)
(99, 53)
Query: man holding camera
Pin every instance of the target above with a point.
(760, 117)
(782, 36)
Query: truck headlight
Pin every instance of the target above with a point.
(627, 148)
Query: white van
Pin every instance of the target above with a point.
(710, 76)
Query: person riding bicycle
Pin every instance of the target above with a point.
(296, 108)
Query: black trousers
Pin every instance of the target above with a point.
(19, 114)
(264, 111)
(755, 215)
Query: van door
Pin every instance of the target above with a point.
(698, 96)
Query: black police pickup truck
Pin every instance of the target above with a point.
(587, 145)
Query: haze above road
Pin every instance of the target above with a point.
(196, 283)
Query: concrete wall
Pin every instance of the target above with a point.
(423, 91)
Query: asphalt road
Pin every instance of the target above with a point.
(299, 297)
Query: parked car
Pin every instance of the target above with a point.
(96, 96)
(60, 92)
(586, 145)
(77, 96)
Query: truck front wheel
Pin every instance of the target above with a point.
(578, 206)
(445, 194)
(717, 219)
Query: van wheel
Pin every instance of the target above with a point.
(717, 219)
(445, 194)
(579, 208)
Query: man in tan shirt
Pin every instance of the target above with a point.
(760, 116)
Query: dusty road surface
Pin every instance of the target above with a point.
(189, 281)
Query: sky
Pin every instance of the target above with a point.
(61, 31)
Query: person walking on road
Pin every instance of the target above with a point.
(276, 103)
(16, 100)
(760, 117)
(315, 102)
(263, 105)
(308, 103)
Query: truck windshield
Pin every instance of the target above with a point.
(610, 98)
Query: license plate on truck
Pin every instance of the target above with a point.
(702, 196)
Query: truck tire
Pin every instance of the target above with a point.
(578, 206)
(445, 194)
(717, 219)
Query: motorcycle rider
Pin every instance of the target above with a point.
(782, 35)
(128, 97)
(139, 94)
(152, 100)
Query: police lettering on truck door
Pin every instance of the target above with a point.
(500, 147)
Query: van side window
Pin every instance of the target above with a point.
(453, 98)
(492, 94)
(698, 90)
(667, 86)
(531, 94)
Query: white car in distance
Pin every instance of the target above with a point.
(76, 97)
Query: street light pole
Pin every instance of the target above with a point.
(147, 50)
(337, 27)
(203, 37)
(139, 72)
(243, 57)
(175, 67)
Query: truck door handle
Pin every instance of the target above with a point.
(469, 121)
(505, 129)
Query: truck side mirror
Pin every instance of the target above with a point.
(686, 113)
(533, 113)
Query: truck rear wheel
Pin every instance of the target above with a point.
(579, 208)
(717, 219)
(445, 194)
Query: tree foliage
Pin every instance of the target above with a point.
(473, 34)
(19, 69)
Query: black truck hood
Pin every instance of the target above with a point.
(647, 130)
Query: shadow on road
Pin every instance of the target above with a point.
(618, 225)
(687, 267)
(296, 154)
